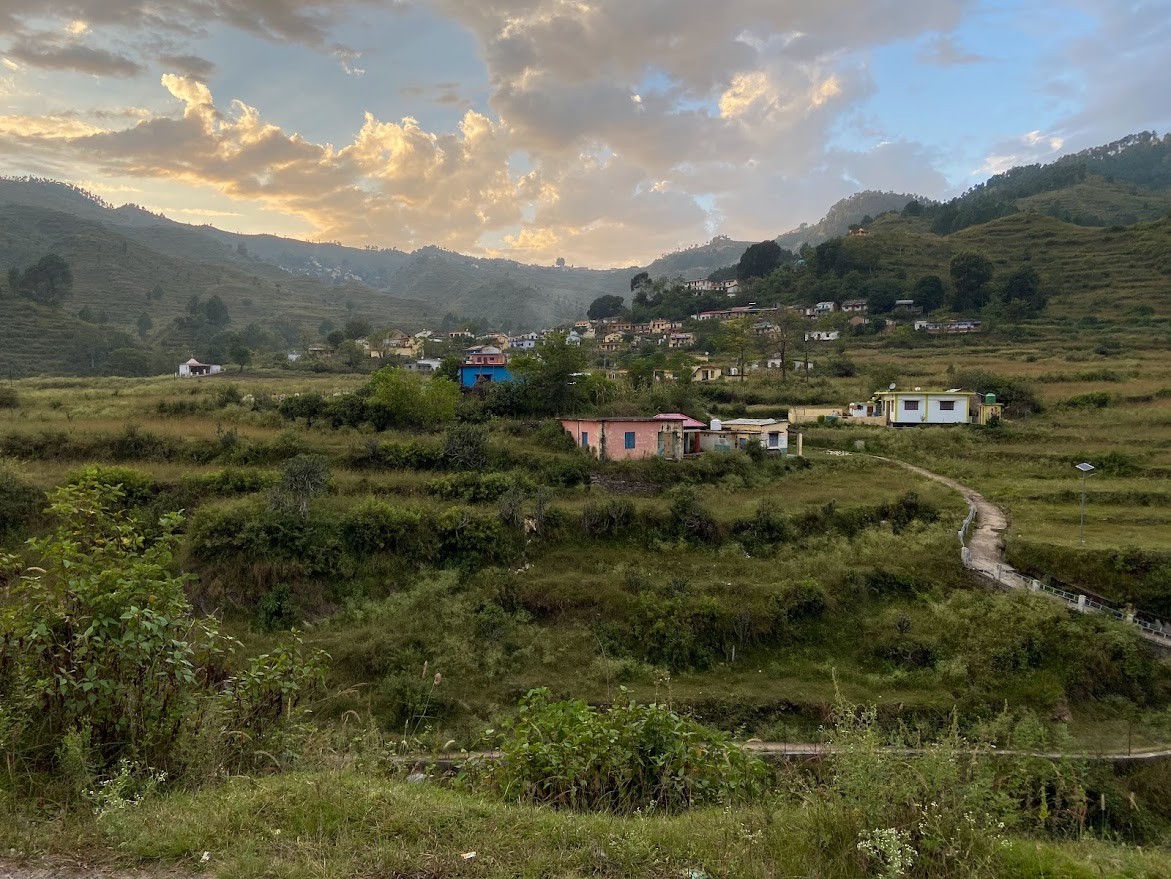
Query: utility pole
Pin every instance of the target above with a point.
(1086, 469)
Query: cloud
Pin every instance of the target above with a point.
(58, 52)
(188, 65)
(346, 58)
(944, 51)
(1033, 147)
(1113, 80)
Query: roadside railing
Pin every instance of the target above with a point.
(1152, 630)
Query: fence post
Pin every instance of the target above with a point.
(1081, 604)
(1035, 585)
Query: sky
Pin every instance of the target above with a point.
(603, 132)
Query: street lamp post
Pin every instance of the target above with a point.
(1086, 469)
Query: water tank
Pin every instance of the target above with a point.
(717, 424)
(989, 399)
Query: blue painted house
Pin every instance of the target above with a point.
(474, 374)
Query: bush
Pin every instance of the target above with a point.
(101, 658)
(20, 501)
(377, 527)
(9, 399)
(476, 488)
(465, 447)
(634, 757)
(612, 519)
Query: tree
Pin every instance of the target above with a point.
(882, 294)
(560, 262)
(403, 399)
(357, 328)
(86, 314)
(1023, 288)
(639, 280)
(216, 312)
(549, 376)
(240, 353)
(335, 337)
(737, 339)
(351, 353)
(605, 306)
(759, 260)
(325, 328)
(929, 292)
(49, 281)
(788, 330)
(970, 274)
(144, 324)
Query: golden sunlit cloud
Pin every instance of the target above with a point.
(77, 27)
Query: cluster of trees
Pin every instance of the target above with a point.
(49, 281)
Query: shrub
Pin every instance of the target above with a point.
(465, 447)
(377, 527)
(9, 398)
(476, 488)
(611, 519)
(136, 487)
(101, 639)
(634, 757)
(690, 520)
(302, 478)
(20, 501)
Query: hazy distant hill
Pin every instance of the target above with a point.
(129, 262)
(846, 213)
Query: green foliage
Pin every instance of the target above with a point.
(403, 399)
(9, 398)
(49, 281)
(634, 757)
(465, 447)
(606, 306)
(20, 502)
(970, 275)
(102, 634)
(303, 478)
(759, 260)
(479, 488)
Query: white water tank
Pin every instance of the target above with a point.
(717, 424)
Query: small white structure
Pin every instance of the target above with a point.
(899, 408)
(737, 433)
(822, 335)
(194, 369)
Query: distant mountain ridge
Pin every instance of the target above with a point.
(120, 254)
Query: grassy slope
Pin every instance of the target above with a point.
(354, 824)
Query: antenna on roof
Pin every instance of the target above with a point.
(892, 386)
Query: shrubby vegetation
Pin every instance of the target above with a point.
(104, 664)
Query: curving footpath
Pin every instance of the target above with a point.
(982, 551)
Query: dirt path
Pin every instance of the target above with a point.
(985, 542)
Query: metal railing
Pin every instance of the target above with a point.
(1152, 630)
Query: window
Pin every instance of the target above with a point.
(630, 439)
(774, 440)
(911, 405)
(947, 405)
(585, 440)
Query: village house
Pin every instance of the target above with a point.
(691, 429)
(424, 367)
(855, 305)
(194, 369)
(622, 439)
(821, 309)
(915, 407)
(822, 335)
(681, 340)
(739, 433)
(948, 326)
(706, 373)
(523, 341)
(857, 232)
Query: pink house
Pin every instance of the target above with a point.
(621, 439)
